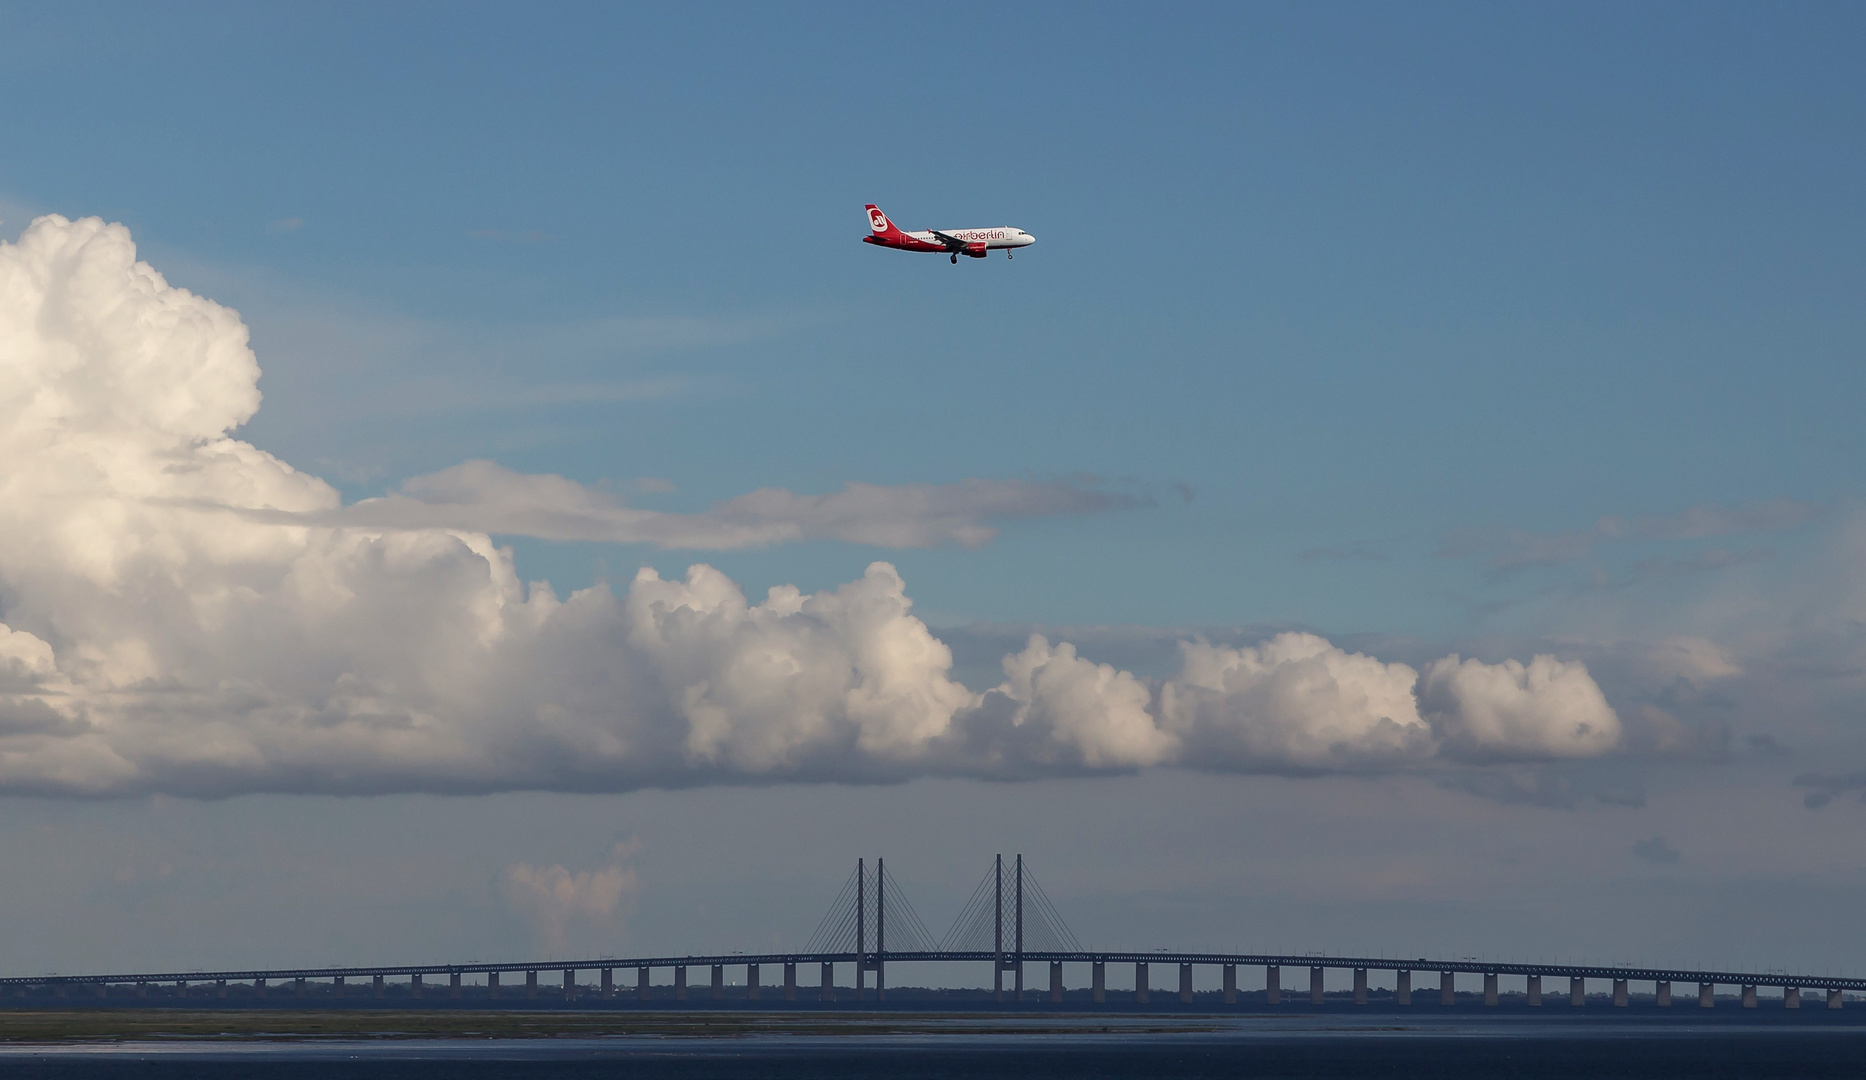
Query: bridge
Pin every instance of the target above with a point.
(1009, 923)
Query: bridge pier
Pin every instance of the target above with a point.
(997, 979)
(1017, 970)
(260, 982)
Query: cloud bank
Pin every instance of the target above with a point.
(182, 612)
(480, 496)
(1504, 551)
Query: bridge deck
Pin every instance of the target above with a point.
(1467, 966)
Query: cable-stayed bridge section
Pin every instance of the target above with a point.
(1008, 922)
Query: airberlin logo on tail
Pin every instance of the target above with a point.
(878, 220)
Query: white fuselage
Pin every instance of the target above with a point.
(1001, 237)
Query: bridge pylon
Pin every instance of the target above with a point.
(871, 916)
(1033, 923)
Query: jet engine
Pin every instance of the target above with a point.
(976, 250)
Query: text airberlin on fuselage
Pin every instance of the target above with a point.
(973, 243)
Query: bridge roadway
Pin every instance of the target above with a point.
(1662, 978)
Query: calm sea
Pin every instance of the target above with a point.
(1579, 1050)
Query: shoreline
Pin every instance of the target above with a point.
(106, 1027)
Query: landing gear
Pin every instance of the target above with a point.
(1008, 255)
(955, 259)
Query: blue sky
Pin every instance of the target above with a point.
(1354, 304)
(1357, 275)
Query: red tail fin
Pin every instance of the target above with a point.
(879, 223)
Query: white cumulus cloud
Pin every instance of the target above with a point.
(1543, 709)
(796, 681)
(564, 907)
(1065, 709)
(182, 612)
(1295, 702)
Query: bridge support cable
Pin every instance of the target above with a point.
(1034, 924)
(979, 926)
(1043, 927)
(898, 927)
(1008, 915)
(871, 916)
(905, 931)
(836, 933)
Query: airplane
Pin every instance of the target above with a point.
(972, 243)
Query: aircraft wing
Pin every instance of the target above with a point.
(952, 242)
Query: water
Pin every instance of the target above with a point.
(1071, 1050)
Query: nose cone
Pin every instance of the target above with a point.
(1025, 239)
